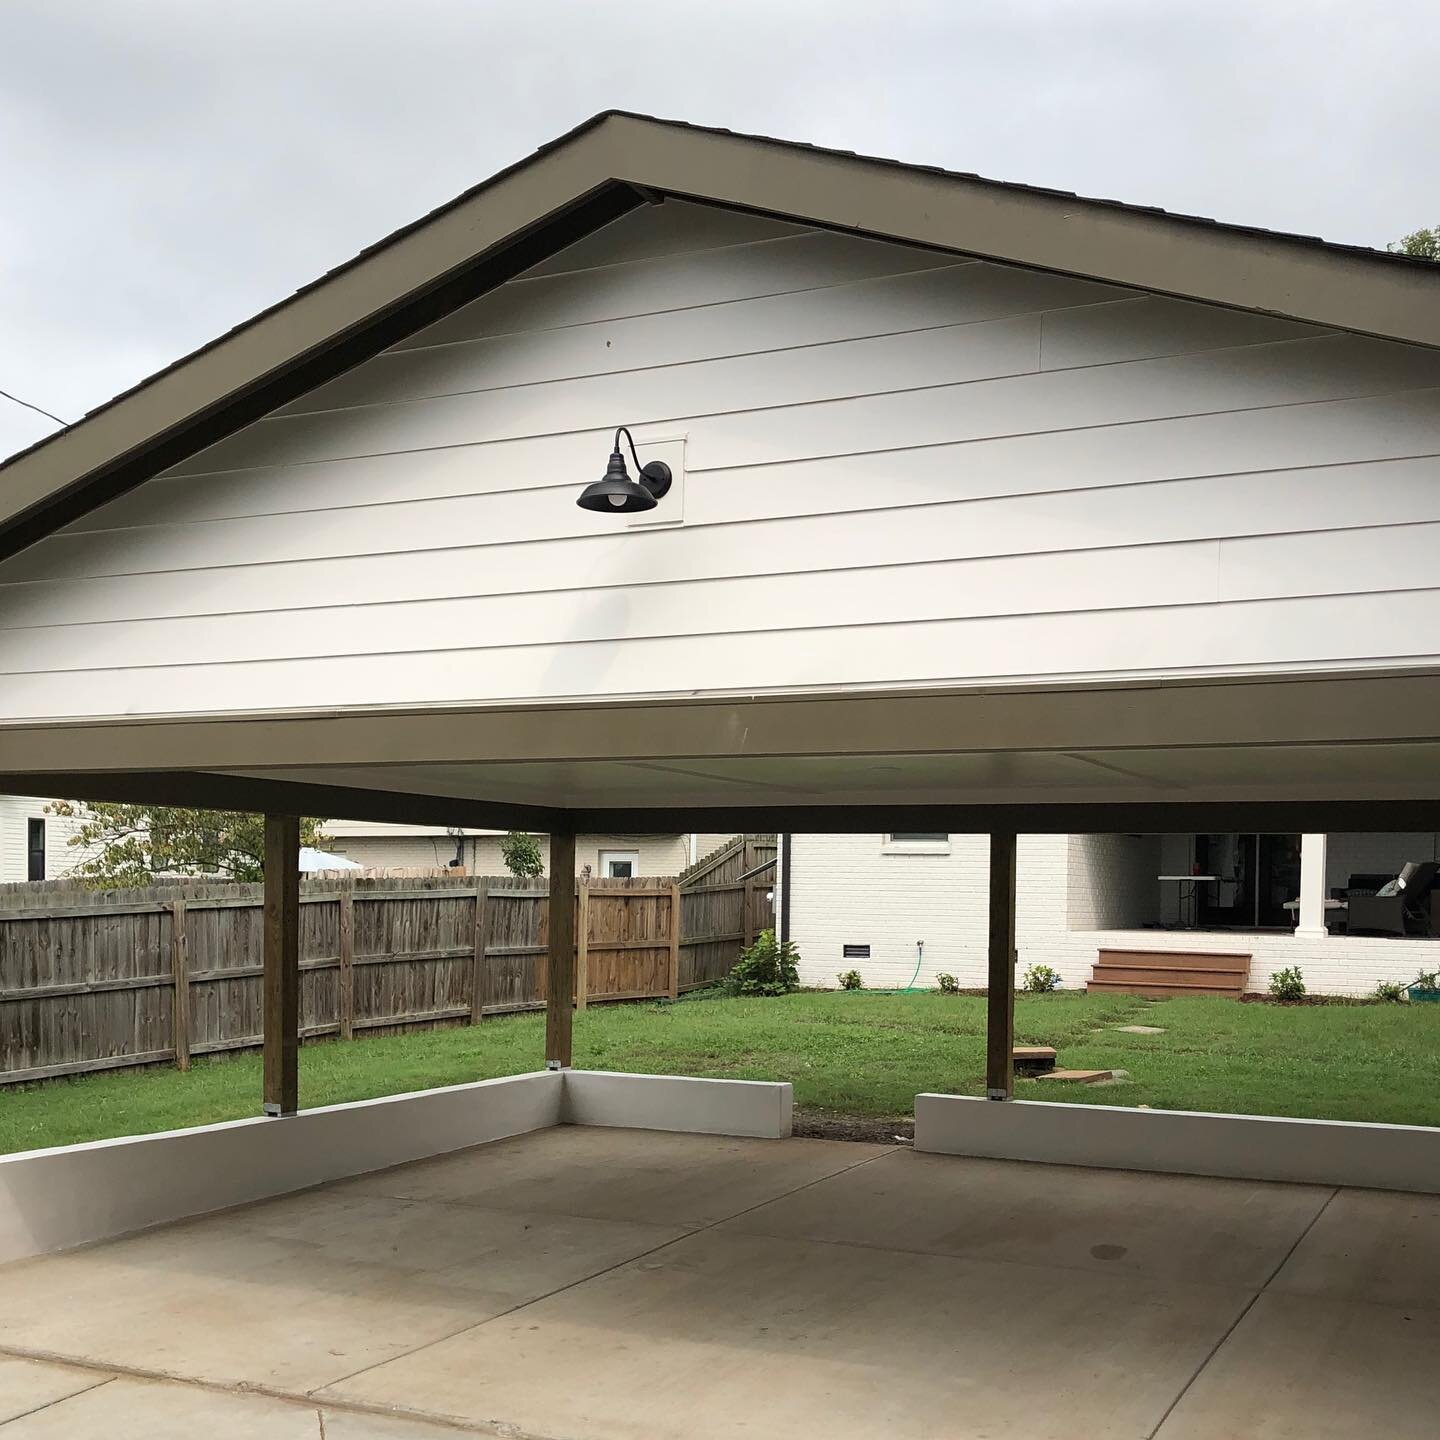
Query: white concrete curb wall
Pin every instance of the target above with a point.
(759, 1108)
(53, 1199)
(1249, 1147)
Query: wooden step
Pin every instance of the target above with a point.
(1166, 974)
(1162, 992)
(1080, 1077)
(1163, 975)
(1033, 1059)
(1179, 959)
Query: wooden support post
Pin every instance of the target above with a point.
(282, 965)
(674, 942)
(180, 971)
(346, 992)
(560, 968)
(1000, 1001)
(478, 981)
(582, 945)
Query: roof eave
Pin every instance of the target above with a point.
(607, 166)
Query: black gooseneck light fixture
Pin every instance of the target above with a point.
(617, 493)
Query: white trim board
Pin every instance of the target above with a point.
(1186, 1142)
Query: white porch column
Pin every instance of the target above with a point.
(1310, 920)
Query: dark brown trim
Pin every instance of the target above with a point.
(343, 802)
(237, 792)
(1000, 985)
(288, 382)
(281, 979)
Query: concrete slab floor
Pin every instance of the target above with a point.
(583, 1284)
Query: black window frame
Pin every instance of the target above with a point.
(34, 853)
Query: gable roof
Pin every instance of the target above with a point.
(619, 160)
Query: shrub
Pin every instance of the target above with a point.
(850, 980)
(765, 968)
(948, 984)
(1391, 990)
(1288, 984)
(1040, 980)
(521, 853)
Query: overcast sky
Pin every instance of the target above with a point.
(169, 167)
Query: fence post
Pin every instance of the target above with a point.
(675, 942)
(482, 939)
(582, 944)
(747, 913)
(180, 971)
(346, 992)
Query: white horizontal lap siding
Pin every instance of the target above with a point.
(901, 467)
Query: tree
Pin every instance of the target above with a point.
(132, 843)
(1424, 244)
(521, 853)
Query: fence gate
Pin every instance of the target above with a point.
(726, 900)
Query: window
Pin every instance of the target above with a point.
(619, 864)
(915, 842)
(35, 849)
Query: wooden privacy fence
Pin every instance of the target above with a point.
(726, 900)
(96, 980)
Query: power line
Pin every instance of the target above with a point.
(35, 408)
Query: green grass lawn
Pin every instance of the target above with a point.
(865, 1053)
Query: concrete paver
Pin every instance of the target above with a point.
(644, 1175)
(1185, 1228)
(293, 1294)
(27, 1385)
(607, 1285)
(1373, 1245)
(727, 1334)
(1301, 1368)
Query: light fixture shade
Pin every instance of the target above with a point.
(616, 493)
(616, 497)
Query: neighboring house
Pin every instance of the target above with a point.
(921, 899)
(381, 846)
(35, 845)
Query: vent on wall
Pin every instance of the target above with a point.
(856, 952)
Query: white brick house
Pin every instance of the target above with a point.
(1075, 895)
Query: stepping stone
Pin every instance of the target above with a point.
(1140, 1029)
(1080, 1077)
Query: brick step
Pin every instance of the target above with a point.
(1179, 959)
(1164, 975)
(1162, 992)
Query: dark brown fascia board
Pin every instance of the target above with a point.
(200, 790)
(1354, 708)
(1296, 277)
(340, 802)
(514, 219)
